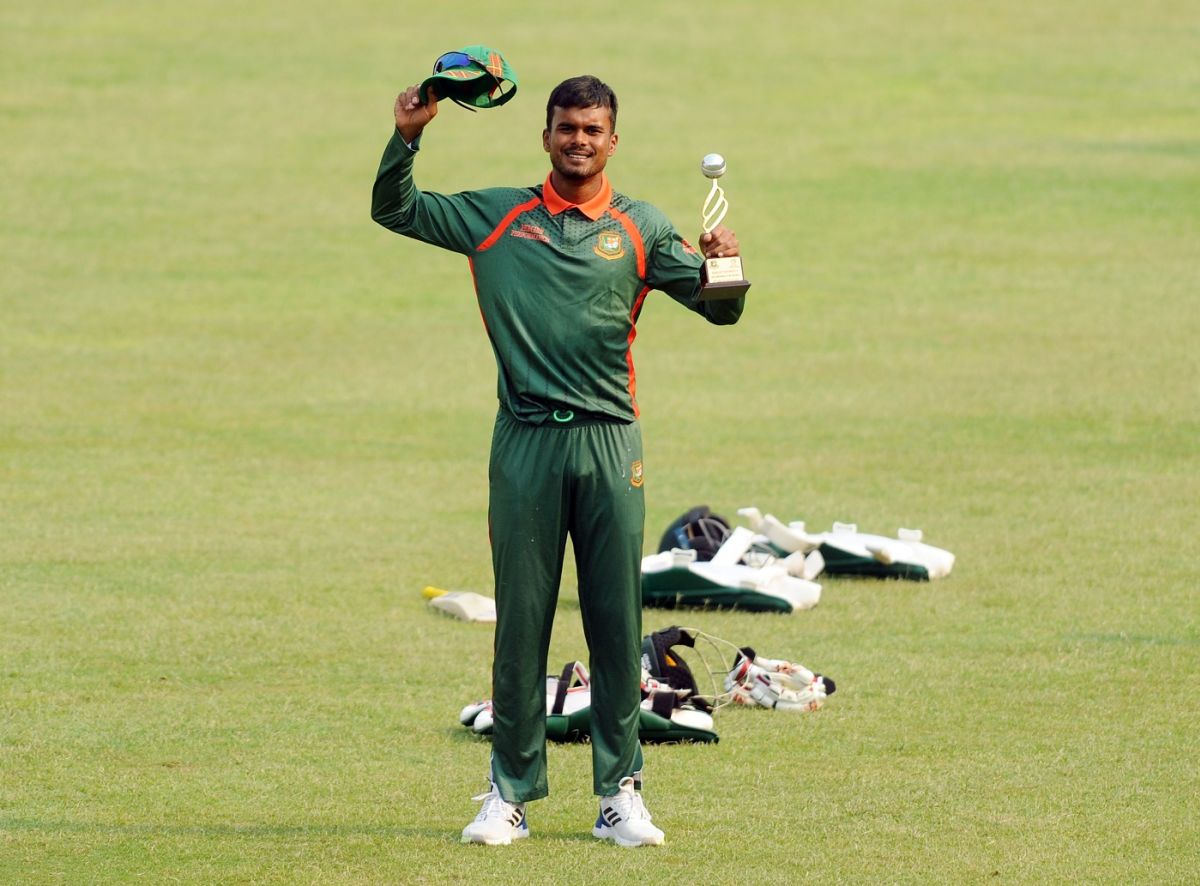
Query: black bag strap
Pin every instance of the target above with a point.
(564, 683)
(662, 703)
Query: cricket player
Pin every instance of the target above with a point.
(561, 270)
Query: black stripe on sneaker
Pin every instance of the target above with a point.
(611, 817)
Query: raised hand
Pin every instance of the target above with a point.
(412, 116)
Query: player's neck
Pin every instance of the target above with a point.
(577, 190)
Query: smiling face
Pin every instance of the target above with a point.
(579, 142)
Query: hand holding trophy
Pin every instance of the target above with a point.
(720, 277)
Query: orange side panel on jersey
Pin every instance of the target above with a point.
(505, 222)
(635, 235)
(633, 315)
(475, 283)
(639, 249)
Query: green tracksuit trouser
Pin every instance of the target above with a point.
(582, 478)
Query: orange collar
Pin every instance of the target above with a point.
(593, 208)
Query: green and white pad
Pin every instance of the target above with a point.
(677, 578)
(569, 705)
(846, 551)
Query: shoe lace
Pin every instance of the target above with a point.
(629, 804)
(494, 806)
(637, 809)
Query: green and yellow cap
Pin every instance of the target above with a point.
(474, 77)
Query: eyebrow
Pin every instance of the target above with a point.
(590, 127)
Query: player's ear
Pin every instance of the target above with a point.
(612, 144)
(546, 140)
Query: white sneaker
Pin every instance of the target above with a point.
(624, 819)
(498, 822)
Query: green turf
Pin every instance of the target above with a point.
(241, 427)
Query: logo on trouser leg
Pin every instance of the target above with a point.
(635, 476)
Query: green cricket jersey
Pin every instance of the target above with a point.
(560, 285)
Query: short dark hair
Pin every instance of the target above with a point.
(582, 92)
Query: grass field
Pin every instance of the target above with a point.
(241, 427)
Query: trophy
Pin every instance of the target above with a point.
(719, 277)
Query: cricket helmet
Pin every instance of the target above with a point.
(698, 530)
(665, 664)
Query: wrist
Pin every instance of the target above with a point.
(410, 134)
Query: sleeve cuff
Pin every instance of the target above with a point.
(414, 146)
